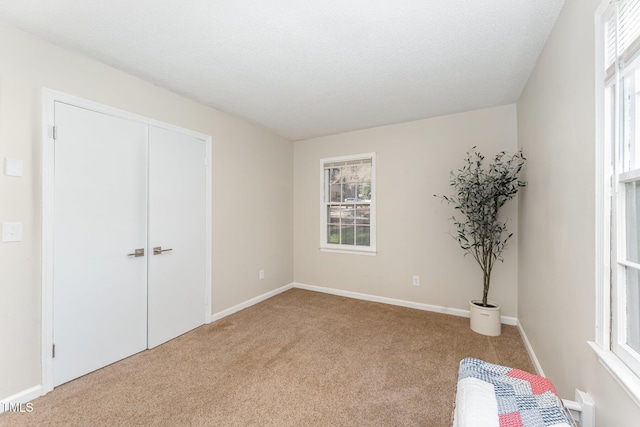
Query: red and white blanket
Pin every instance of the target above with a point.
(491, 395)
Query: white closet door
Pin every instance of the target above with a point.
(100, 213)
(177, 225)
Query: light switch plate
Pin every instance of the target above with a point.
(13, 167)
(11, 231)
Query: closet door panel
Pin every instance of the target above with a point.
(100, 214)
(177, 228)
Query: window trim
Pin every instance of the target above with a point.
(348, 249)
(605, 213)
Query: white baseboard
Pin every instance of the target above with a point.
(25, 396)
(532, 354)
(507, 320)
(224, 313)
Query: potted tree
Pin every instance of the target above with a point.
(479, 193)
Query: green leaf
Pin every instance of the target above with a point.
(479, 193)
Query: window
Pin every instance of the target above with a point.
(348, 204)
(618, 188)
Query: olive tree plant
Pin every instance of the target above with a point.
(479, 192)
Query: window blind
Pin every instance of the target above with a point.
(622, 35)
(366, 161)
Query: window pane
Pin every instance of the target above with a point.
(634, 152)
(363, 214)
(364, 191)
(348, 214)
(633, 308)
(632, 209)
(335, 193)
(347, 235)
(334, 175)
(337, 175)
(363, 173)
(363, 233)
(333, 234)
(333, 214)
(350, 192)
(628, 128)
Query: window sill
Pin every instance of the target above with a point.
(629, 381)
(350, 252)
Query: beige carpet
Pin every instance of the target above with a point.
(300, 358)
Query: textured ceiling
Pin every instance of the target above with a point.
(309, 68)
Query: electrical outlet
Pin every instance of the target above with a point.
(416, 280)
(261, 274)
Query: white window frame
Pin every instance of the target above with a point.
(349, 249)
(609, 344)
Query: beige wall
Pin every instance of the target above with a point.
(556, 297)
(252, 189)
(413, 163)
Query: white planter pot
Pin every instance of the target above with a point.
(485, 320)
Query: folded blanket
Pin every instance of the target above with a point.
(497, 396)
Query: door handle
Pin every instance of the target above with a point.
(158, 250)
(137, 252)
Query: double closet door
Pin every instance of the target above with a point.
(129, 238)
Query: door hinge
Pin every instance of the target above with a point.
(53, 351)
(54, 132)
